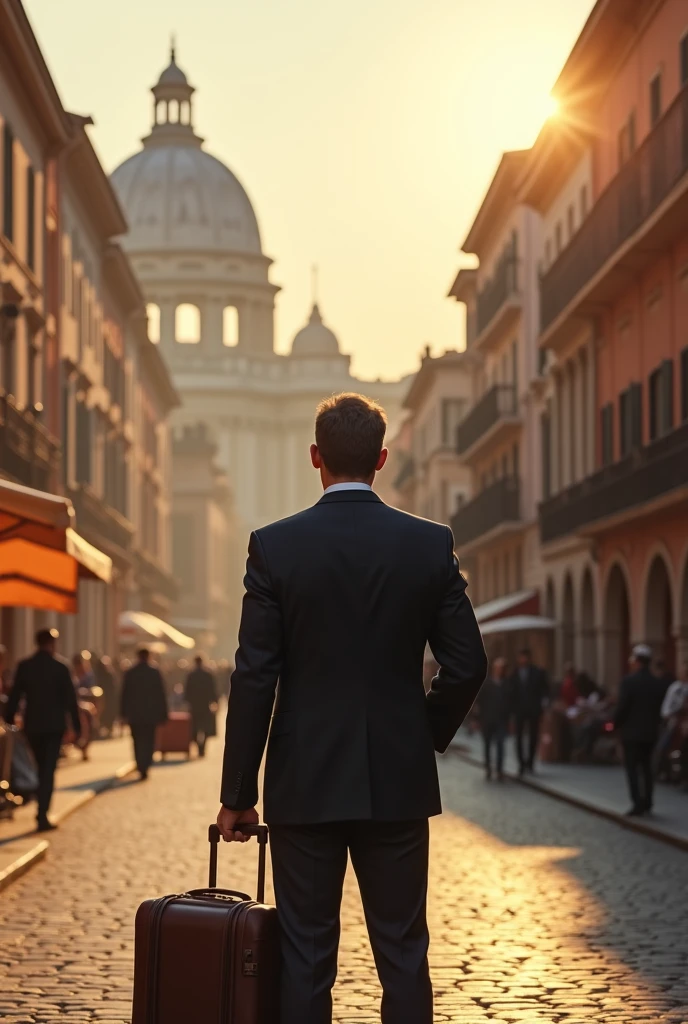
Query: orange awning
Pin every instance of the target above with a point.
(41, 555)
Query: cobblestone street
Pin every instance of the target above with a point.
(539, 912)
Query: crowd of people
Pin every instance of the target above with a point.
(646, 722)
(62, 703)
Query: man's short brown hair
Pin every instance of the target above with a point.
(350, 432)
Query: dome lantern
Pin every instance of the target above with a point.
(315, 339)
(172, 106)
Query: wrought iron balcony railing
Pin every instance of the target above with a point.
(28, 452)
(629, 200)
(498, 504)
(645, 475)
(498, 402)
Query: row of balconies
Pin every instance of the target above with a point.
(646, 203)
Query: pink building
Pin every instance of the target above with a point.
(610, 180)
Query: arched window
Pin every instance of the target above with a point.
(230, 326)
(153, 314)
(160, 112)
(184, 112)
(187, 324)
(174, 110)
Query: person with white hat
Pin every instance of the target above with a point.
(637, 719)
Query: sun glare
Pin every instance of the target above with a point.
(552, 107)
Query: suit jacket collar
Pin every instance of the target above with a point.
(350, 495)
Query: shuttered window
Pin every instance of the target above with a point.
(83, 444)
(31, 217)
(684, 385)
(661, 394)
(546, 435)
(607, 432)
(630, 419)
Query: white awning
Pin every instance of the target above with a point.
(517, 624)
(519, 600)
(136, 627)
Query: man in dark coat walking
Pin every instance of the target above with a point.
(144, 707)
(529, 695)
(637, 719)
(341, 601)
(494, 711)
(45, 684)
(200, 693)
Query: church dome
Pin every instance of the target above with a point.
(315, 339)
(173, 193)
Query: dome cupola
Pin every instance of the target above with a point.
(315, 339)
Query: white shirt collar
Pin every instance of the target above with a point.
(352, 485)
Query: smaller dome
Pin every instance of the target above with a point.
(315, 339)
(173, 74)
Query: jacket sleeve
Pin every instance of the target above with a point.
(457, 647)
(254, 681)
(70, 701)
(16, 694)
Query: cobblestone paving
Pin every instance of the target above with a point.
(539, 912)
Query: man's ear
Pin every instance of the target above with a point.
(383, 458)
(316, 457)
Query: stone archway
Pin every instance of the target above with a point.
(659, 613)
(568, 622)
(587, 621)
(550, 601)
(617, 629)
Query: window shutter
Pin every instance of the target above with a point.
(667, 385)
(635, 412)
(684, 385)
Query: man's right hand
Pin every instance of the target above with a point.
(227, 821)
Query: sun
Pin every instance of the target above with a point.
(551, 107)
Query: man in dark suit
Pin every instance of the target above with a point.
(638, 717)
(44, 682)
(200, 693)
(144, 707)
(529, 695)
(340, 603)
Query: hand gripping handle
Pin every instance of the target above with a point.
(261, 834)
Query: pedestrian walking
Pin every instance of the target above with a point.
(637, 718)
(44, 683)
(105, 678)
(82, 672)
(340, 603)
(494, 710)
(200, 693)
(144, 708)
(529, 695)
(675, 703)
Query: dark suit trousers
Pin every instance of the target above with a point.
(527, 721)
(391, 864)
(639, 771)
(144, 746)
(46, 750)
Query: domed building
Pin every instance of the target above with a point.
(195, 245)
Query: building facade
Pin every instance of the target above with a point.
(33, 132)
(116, 397)
(610, 179)
(429, 482)
(498, 438)
(195, 245)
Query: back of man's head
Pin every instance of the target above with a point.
(46, 640)
(198, 661)
(349, 434)
(144, 654)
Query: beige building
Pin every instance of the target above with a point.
(498, 441)
(116, 397)
(430, 482)
(196, 248)
(204, 526)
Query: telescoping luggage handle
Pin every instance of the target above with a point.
(261, 834)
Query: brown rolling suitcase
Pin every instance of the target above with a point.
(174, 735)
(208, 956)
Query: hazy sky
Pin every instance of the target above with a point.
(365, 132)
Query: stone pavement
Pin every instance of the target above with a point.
(76, 783)
(599, 787)
(539, 911)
